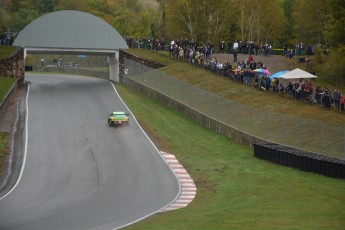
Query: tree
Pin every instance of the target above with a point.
(333, 70)
(204, 20)
(45, 6)
(22, 18)
(262, 21)
(336, 23)
(162, 18)
(289, 33)
(71, 5)
(310, 26)
(4, 20)
(182, 20)
(271, 22)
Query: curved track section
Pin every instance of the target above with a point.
(79, 172)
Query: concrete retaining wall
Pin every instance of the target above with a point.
(13, 66)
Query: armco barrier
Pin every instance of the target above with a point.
(299, 159)
(219, 127)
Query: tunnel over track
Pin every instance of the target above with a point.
(73, 32)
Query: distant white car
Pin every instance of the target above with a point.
(50, 66)
(69, 65)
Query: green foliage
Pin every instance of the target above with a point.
(333, 66)
(289, 34)
(22, 18)
(278, 22)
(6, 51)
(45, 6)
(5, 85)
(3, 144)
(336, 23)
(311, 24)
(71, 5)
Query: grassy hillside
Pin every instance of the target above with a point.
(6, 51)
(234, 189)
(5, 86)
(266, 101)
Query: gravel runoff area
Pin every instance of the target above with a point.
(12, 121)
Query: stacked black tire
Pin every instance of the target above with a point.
(299, 159)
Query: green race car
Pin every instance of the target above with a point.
(118, 118)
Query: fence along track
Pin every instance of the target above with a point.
(301, 133)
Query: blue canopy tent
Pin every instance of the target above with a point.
(278, 74)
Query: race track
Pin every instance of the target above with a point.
(80, 173)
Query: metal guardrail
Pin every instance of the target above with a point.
(300, 133)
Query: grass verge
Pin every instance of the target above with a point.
(6, 51)
(3, 148)
(5, 85)
(235, 190)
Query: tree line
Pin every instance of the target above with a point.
(277, 22)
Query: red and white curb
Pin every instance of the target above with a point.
(188, 188)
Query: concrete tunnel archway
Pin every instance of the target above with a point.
(73, 32)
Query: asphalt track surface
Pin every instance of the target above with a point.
(79, 173)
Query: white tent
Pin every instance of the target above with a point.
(297, 74)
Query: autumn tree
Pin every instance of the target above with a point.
(204, 21)
(260, 21)
(310, 23)
(289, 31)
(335, 24)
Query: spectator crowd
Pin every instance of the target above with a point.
(200, 55)
(209, 48)
(7, 38)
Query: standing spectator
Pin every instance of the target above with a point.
(296, 48)
(250, 58)
(171, 48)
(235, 47)
(235, 55)
(137, 42)
(275, 84)
(269, 48)
(285, 48)
(221, 46)
(230, 45)
(181, 54)
(342, 103)
(336, 96)
(267, 83)
(157, 44)
(309, 50)
(301, 49)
